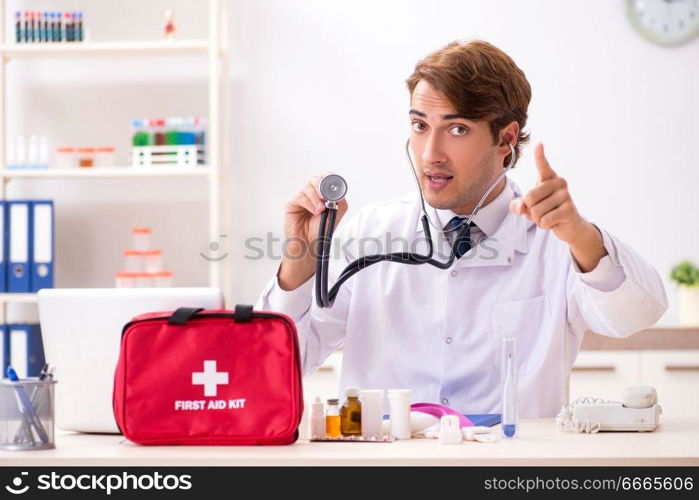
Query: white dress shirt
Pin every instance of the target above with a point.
(438, 332)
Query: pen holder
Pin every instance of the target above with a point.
(27, 414)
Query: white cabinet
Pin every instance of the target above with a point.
(604, 374)
(673, 373)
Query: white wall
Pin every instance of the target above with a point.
(325, 87)
(319, 85)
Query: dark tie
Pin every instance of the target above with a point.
(461, 239)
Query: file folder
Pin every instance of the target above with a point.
(26, 349)
(3, 251)
(4, 350)
(18, 226)
(41, 258)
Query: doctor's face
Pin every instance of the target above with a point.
(455, 158)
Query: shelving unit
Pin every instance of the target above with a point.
(104, 49)
(214, 48)
(106, 172)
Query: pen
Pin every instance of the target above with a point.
(27, 408)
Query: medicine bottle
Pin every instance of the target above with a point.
(351, 414)
(332, 419)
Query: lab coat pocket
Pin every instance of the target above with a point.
(524, 320)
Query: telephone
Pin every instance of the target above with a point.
(638, 411)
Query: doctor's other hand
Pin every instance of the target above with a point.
(549, 204)
(301, 224)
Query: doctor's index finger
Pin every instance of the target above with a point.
(542, 164)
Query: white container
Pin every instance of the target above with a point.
(162, 279)
(372, 412)
(689, 305)
(144, 280)
(134, 261)
(65, 158)
(399, 404)
(141, 238)
(43, 152)
(317, 419)
(153, 261)
(126, 280)
(33, 152)
(104, 157)
(20, 152)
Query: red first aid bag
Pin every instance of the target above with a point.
(209, 377)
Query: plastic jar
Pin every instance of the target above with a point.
(399, 404)
(65, 158)
(134, 261)
(126, 280)
(86, 157)
(153, 261)
(141, 238)
(144, 280)
(372, 412)
(104, 157)
(162, 279)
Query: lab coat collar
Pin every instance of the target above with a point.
(509, 237)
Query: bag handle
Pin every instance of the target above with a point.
(182, 315)
(243, 314)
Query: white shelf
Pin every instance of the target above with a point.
(106, 172)
(104, 49)
(18, 297)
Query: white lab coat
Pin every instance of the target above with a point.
(438, 332)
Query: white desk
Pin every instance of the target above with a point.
(674, 442)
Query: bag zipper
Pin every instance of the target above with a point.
(207, 315)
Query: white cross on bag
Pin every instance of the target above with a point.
(210, 378)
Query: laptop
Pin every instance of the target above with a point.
(81, 330)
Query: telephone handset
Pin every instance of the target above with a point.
(638, 411)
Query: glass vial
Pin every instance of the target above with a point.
(332, 419)
(509, 388)
(351, 413)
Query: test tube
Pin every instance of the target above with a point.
(509, 388)
(18, 27)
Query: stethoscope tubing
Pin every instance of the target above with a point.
(326, 298)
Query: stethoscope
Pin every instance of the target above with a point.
(333, 188)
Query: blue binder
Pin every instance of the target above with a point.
(26, 349)
(3, 251)
(4, 350)
(42, 238)
(18, 224)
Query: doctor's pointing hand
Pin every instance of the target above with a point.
(550, 206)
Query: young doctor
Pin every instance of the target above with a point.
(532, 267)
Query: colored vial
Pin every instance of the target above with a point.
(140, 135)
(351, 413)
(332, 419)
(18, 27)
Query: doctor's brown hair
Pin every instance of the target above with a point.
(480, 81)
